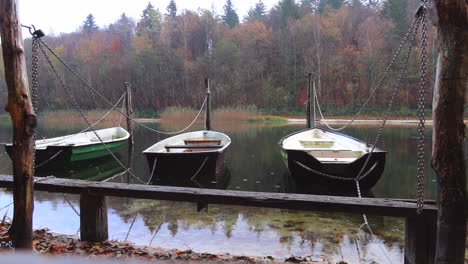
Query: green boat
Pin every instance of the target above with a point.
(59, 151)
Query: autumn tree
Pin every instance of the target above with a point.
(230, 16)
(89, 25)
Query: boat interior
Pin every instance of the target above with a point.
(326, 146)
(198, 141)
(86, 138)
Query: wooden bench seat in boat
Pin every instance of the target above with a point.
(202, 140)
(193, 146)
(317, 143)
(338, 154)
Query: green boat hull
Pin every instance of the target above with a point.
(88, 152)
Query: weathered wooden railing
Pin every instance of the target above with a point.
(420, 229)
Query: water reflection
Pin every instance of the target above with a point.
(254, 164)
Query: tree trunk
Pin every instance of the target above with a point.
(449, 129)
(24, 123)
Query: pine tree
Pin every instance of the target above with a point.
(230, 16)
(171, 9)
(396, 11)
(335, 4)
(89, 25)
(257, 13)
(150, 22)
(288, 10)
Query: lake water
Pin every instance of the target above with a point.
(254, 164)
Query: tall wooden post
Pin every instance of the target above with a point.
(24, 123)
(129, 111)
(309, 101)
(449, 129)
(208, 105)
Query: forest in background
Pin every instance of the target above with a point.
(260, 60)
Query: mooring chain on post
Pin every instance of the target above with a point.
(422, 109)
(92, 89)
(390, 64)
(35, 84)
(78, 108)
(396, 88)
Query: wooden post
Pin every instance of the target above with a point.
(129, 111)
(93, 218)
(420, 240)
(451, 18)
(309, 101)
(208, 105)
(24, 123)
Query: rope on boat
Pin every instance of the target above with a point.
(334, 177)
(152, 171)
(379, 84)
(51, 158)
(92, 89)
(71, 205)
(198, 171)
(77, 106)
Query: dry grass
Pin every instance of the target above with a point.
(183, 114)
(64, 117)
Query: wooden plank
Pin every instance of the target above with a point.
(376, 206)
(420, 240)
(24, 123)
(193, 146)
(93, 218)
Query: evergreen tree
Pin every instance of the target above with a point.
(150, 22)
(335, 4)
(89, 25)
(230, 16)
(396, 11)
(288, 9)
(171, 9)
(125, 29)
(257, 13)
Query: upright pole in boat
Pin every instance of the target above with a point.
(129, 111)
(314, 92)
(308, 107)
(24, 124)
(208, 105)
(310, 102)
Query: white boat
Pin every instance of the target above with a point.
(320, 156)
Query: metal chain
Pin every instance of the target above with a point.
(379, 84)
(109, 103)
(77, 106)
(34, 91)
(422, 111)
(396, 88)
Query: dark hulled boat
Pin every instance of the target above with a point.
(317, 156)
(322, 157)
(193, 156)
